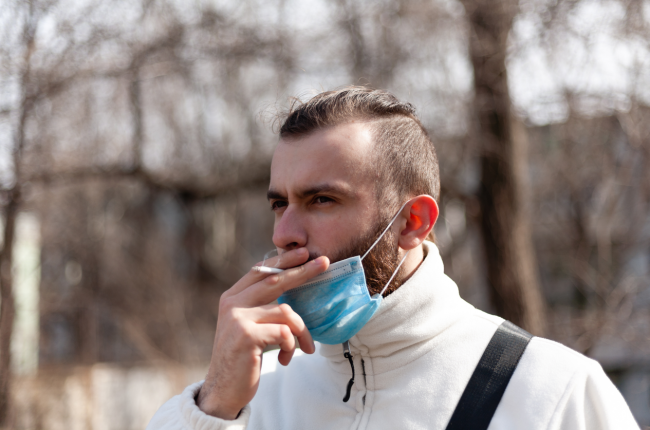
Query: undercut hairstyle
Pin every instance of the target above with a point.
(404, 156)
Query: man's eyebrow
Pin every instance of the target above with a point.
(324, 188)
(272, 194)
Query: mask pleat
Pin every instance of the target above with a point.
(336, 331)
(339, 310)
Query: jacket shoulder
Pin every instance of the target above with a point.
(556, 387)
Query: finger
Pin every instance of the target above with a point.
(291, 258)
(288, 259)
(284, 357)
(278, 334)
(283, 314)
(272, 287)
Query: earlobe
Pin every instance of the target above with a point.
(421, 213)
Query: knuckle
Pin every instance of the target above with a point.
(285, 332)
(285, 309)
(272, 280)
(235, 314)
(300, 325)
(225, 303)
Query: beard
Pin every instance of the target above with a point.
(380, 263)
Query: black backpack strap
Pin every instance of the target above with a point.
(490, 378)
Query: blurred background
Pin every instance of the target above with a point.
(135, 146)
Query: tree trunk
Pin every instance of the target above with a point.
(7, 307)
(510, 257)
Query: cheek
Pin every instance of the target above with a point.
(328, 233)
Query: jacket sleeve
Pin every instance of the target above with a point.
(182, 413)
(592, 402)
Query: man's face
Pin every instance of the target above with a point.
(323, 191)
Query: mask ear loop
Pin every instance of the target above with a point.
(394, 273)
(384, 232)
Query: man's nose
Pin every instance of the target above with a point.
(289, 232)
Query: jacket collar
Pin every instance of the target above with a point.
(407, 322)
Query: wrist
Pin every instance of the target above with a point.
(212, 406)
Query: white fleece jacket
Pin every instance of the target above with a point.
(413, 360)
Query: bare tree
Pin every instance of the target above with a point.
(505, 224)
(12, 201)
(70, 81)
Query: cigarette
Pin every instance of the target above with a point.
(264, 269)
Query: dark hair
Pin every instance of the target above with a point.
(404, 155)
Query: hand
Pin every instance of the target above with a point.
(247, 324)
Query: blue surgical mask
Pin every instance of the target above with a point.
(336, 304)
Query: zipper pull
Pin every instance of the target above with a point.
(347, 354)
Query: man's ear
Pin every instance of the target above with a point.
(420, 214)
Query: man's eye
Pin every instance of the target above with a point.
(277, 205)
(323, 199)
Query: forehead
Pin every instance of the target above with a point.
(340, 154)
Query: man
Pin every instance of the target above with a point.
(350, 165)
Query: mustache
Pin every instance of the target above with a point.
(313, 256)
(333, 259)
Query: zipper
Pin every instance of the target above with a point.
(365, 381)
(347, 354)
